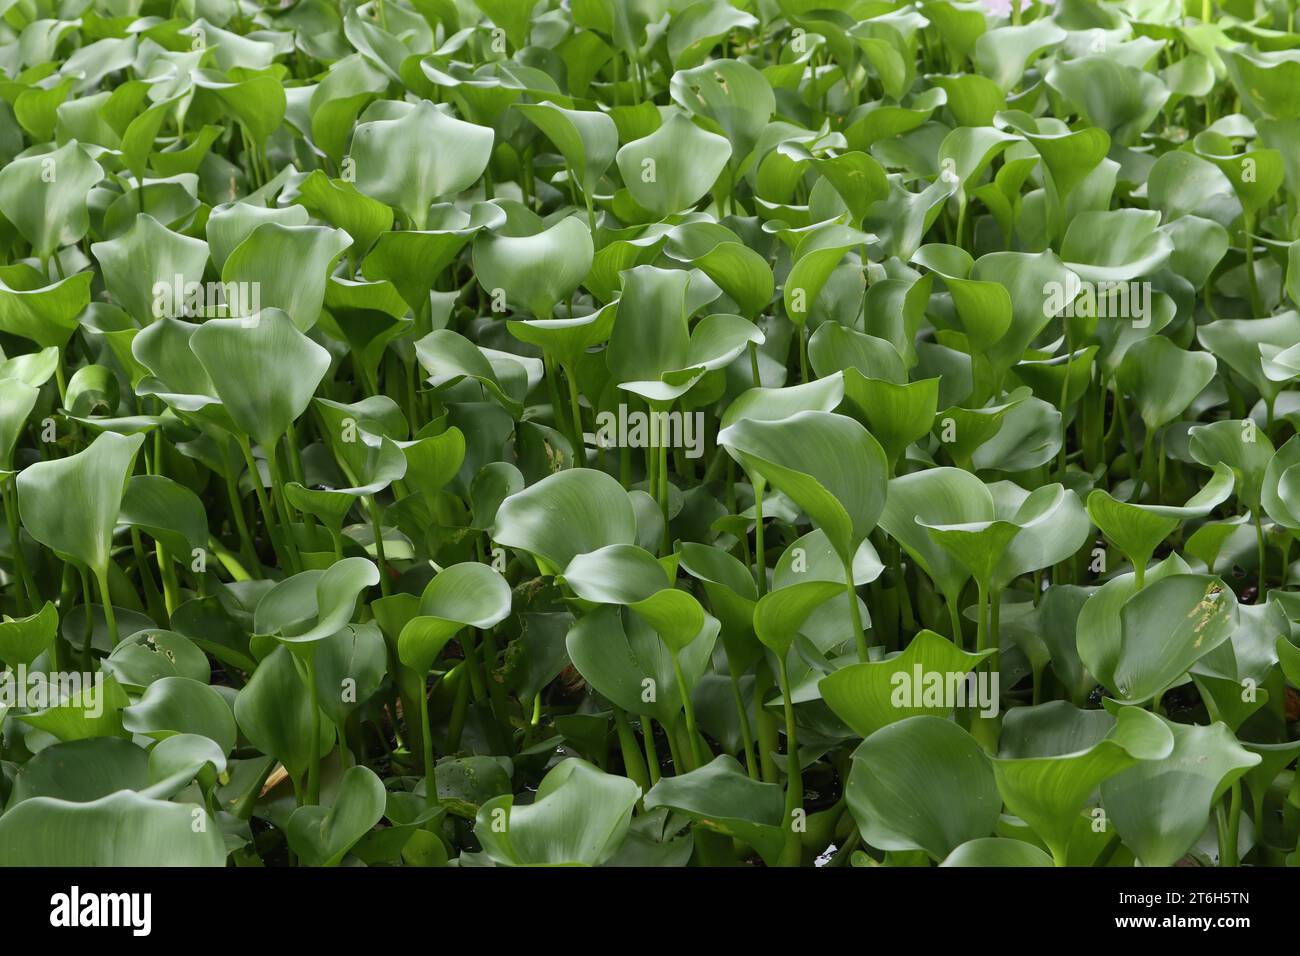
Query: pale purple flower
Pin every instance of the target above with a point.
(1002, 8)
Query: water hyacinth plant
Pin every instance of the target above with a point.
(649, 433)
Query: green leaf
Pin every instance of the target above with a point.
(23, 639)
(1280, 488)
(535, 272)
(181, 705)
(1002, 54)
(81, 771)
(1255, 176)
(339, 203)
(937, 496)
(1163, 379)
(816, 257)
(618, 653)
(1265, 79)
(273, 711)
(513, 18)
(413, 260)
(1047, 779)
(629, 575)
(141, 265)
(289, 266)
(732, 94)
(780, 614)
(256, 99)
(720, 797)
(1137, 529)
(588, 139)
(566, 339)
(45, 312)
(578, 817)
(997, 852)
(230, 224)
(71, 504)
(922, 784)
(449, 357)
(1121, 99)
(90, 710)
(44, 196)
(150, 655)
(977, 546)
(669, 170)
(1053, 526)
(417, 157)
(1160, 807)
(1183, 184)
(177, 760)
(244, 358)
(1164, 629)
(651, 333)
(323, 835)
(463, 595)
(1115, 246)
(350, 665)
(872, 695)
(1237, 343)
(121, 829)
(1239, 446)
(168, 512)
(566, 514)
(828, 464)
(313, 605)
(896, 415)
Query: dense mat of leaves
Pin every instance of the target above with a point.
(649, 432)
